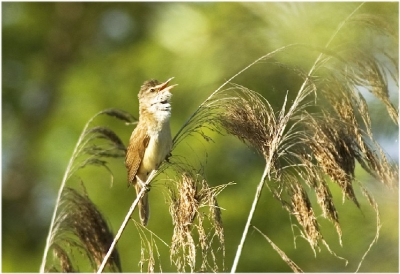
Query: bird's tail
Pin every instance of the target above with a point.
(144, 209)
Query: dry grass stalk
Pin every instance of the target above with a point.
(149, 247)
(191, 194)
(374, 205)
(295, 268)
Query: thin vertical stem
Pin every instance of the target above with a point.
(252, 210)
(125, 222)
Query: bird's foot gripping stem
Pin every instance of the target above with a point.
(143, 185)
(169, 155)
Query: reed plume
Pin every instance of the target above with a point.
(75, 213)
(188, 195)
(81, 225)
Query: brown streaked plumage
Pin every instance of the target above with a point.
(151, 141)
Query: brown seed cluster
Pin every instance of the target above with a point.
(191, 195)
(249, 118)
(301, 208)
(333, 150)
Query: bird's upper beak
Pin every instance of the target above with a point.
(164, 86)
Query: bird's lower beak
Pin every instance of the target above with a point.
(164, 86)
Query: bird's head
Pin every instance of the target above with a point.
(154, 98)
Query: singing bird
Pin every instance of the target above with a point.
(151, 141)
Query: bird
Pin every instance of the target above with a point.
(150, 142)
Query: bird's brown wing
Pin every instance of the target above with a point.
(137, 145)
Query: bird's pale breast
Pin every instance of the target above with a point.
(158, 148)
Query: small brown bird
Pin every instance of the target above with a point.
(151, 141)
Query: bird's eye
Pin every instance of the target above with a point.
(152, 90)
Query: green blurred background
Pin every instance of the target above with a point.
(64, 62)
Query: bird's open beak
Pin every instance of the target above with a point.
(164, 86)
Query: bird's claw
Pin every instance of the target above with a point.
(169, 155)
